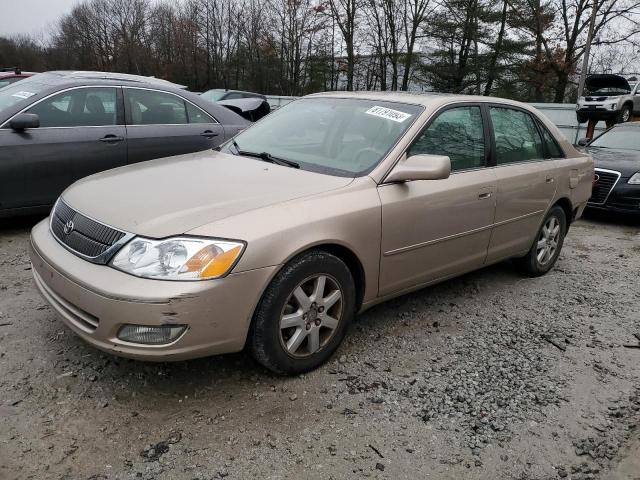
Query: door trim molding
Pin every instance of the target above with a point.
(397, 251)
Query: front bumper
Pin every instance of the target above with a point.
(96, 300)
(598, 113)
(624, 198)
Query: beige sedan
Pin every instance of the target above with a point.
(324, 208)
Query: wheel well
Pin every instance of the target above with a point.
(565, 204)
(353, 263)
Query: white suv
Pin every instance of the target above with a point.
(608, 98)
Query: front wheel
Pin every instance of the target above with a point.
(625, 114)
(546, 247)
(303, 314)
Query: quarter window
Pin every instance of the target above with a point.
(150, 107)
(553, 148)
(457, 133)
(198, 116)
(81, 107)
(517, 137)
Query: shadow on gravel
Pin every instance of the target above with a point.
(203, 377)
(612, 218)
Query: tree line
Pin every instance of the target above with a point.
(523, 49)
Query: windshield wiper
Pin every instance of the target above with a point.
(265, 156)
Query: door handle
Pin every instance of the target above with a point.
(111, 139)
(484, 195)
(208, 134)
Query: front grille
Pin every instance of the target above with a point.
(595, 99)
(83, 235)
(606, 180)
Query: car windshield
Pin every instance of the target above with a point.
(620, 138)
(18, 91)
(213, 95)
(338, 136)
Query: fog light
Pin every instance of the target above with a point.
(149, 335)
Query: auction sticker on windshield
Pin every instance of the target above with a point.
(23, 95)
(388, 113)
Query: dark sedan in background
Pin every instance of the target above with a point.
(12, 75)
(58, 127)
(616, 154)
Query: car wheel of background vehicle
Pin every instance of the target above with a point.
(303, 314)
(625, 114)
(547, 245)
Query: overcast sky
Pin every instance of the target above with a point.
(31, 16)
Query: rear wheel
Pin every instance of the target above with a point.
(547, 245)
(304, 314)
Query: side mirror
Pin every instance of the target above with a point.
(421, 167)
(23, 121)
(583, 142)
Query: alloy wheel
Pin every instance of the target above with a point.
(548, 241)
(311, 315)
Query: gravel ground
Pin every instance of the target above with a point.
(488, 376)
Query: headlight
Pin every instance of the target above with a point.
(179, 258)
(635, 179)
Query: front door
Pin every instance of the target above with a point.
(163, 124)
(434, 229)
(79, 134)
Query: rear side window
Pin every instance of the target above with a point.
(81, 107)
(150, 107)
(517, 137)
(457, 133)
(553, 148)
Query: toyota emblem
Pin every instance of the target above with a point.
(68, 227)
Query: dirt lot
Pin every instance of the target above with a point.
(489, 376)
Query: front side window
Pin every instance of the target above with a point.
(457, 133)
(517, 137)
(81, 107)
(337, 136)
(150, 107)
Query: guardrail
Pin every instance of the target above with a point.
(563, 115)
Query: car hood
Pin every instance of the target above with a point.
(173, 195)
(627, 162)
(596, 82)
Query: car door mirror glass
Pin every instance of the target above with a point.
(421, 167)
(583, 142)
(23, 121)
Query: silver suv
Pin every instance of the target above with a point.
(609, 98)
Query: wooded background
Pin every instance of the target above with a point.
(529, 50)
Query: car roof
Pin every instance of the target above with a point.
(57, 77)
(422, 98)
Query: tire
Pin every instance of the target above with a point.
(531, 264)
(625, 114)
(316, 327)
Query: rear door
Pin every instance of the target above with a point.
(526, 177)
(81, 132)
(162, 124)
